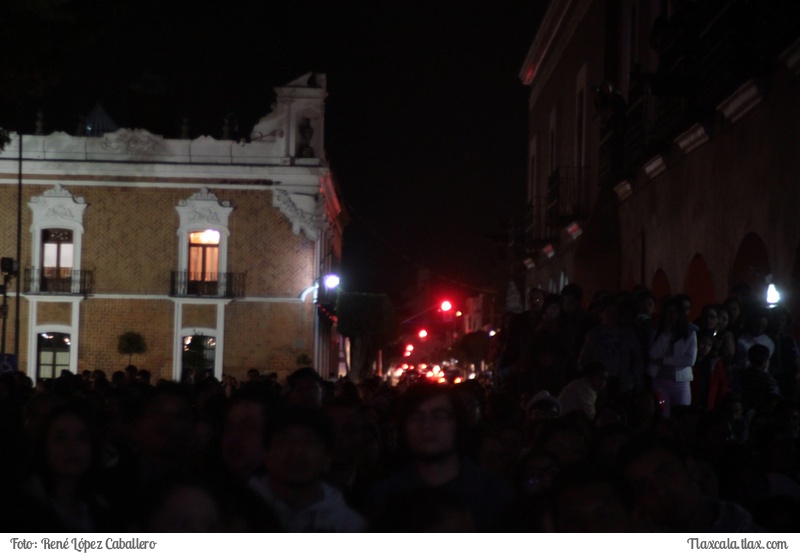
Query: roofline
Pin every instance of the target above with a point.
(556, 19)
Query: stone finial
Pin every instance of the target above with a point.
(39, 122)
(229, 125)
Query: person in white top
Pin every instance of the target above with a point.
(673, 350)
(581, 393)
(299, 442)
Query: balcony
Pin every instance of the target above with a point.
(64, 282)
(206, 285)
(567, 193)
(538, 233)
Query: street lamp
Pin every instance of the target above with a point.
(331, 281)
(773, 296)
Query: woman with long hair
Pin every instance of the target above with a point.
(65, 473)
(673, 350)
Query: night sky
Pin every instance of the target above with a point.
(426, 118)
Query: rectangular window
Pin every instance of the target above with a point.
(203, 268)
(204, 255)
(57, 260)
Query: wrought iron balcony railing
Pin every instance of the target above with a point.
(538, 231)
(206, 285)
(58, 282)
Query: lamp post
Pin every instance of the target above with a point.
(9, 267)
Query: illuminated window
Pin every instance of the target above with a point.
(52, 354)
(204, 255)
(203, 259)
(57, 259)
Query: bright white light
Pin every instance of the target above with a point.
(206, 237)
(446, 306)
(409, 347)
(492, 333)
(331, 281)
(773, 296)
(472, 376)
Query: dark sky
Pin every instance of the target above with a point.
(426, 118)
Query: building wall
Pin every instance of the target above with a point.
(269, 336)
(743, 181)
(102, 322)
(719, 214)
(130, 237)
(577, 50)
(131, 198)
(277, 261)
(131, 244)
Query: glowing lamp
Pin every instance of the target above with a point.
(331, 281)
(422, 333)
(773, 296)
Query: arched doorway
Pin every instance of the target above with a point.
(751, 266)
(699, 285)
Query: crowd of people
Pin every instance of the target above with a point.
(619, 415)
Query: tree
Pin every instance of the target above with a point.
(368, 320)
(131, 343)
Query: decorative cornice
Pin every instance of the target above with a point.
(791, 57)
(654, 166)
(58, 205)
(203, 207)
(203, 195)
(560, 23)
(302, 219)
(692, 138)
(57, 191)
(623, 190)
(742, 101)
(136, 142)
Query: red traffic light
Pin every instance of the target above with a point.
(446, 306)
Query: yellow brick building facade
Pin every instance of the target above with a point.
(218, 241)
